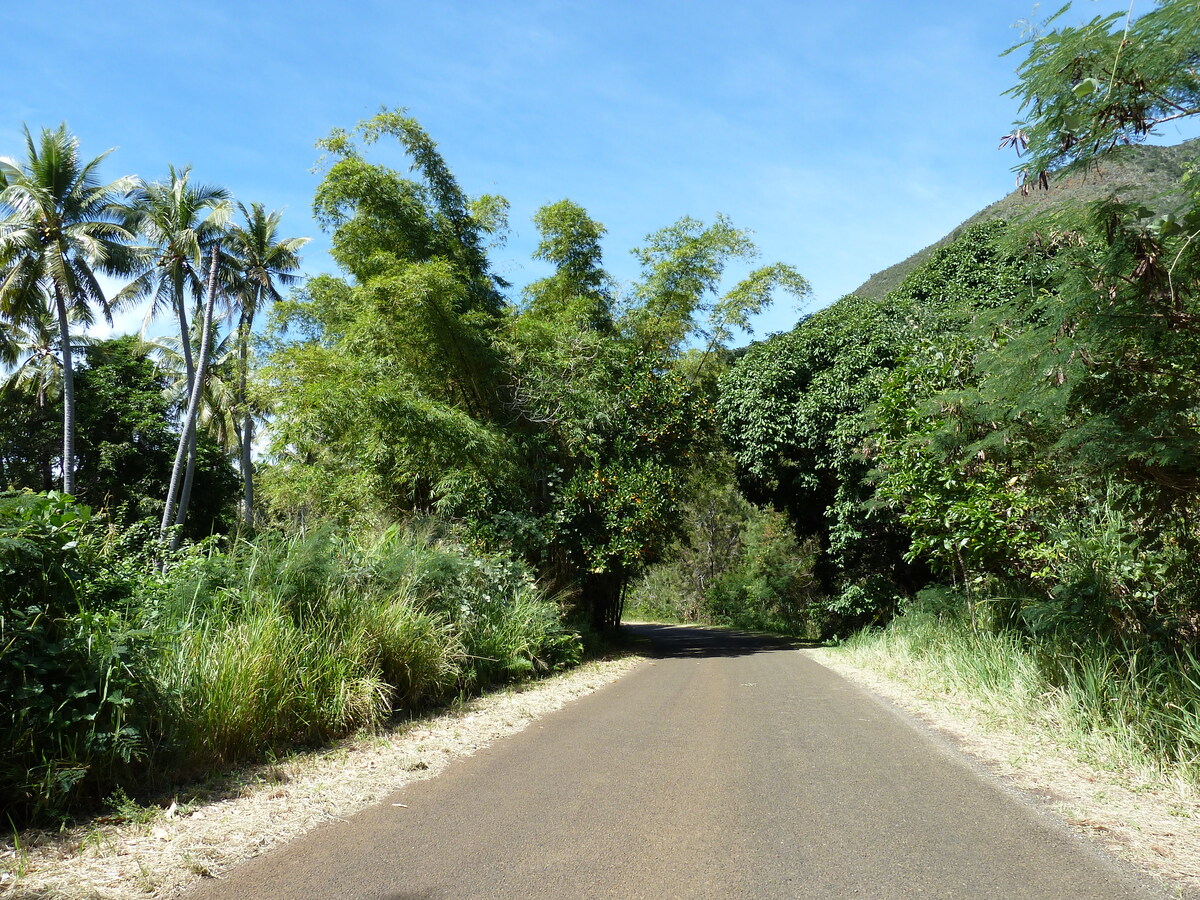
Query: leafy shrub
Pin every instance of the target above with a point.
(69, 710)
(1110, 579)
(869, 600)
(739, 565)
(234, 653)
(518, 636)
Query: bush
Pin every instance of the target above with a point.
(70, 716)
(235, 653)
(739, 565)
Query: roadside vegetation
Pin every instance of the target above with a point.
(985, 478)
(997, 460)
(122, 678)
(453, 486)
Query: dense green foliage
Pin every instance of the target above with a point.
(735, 564)
(798, 413)
(563, 427)
(125, 439)
(1019, 416)
(113, 674)
(68, 710)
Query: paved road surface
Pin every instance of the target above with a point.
(730, 767)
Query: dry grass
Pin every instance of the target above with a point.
(1138, 815)
(269, 805)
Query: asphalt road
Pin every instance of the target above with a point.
(730, 766)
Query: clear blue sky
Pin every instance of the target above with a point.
(846, 135)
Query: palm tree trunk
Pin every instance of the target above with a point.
(189, 476)
(64, 336)
(248, 473)
(247, 429)
(187, 444)
(185, 338)
(45, 457)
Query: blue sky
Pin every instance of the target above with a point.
(846, 136)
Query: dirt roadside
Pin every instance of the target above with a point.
(1152, 824)
(269, 805)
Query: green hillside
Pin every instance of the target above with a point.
(1140, 173)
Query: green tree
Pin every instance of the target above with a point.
(265, 262)
(1089, 89)
(391, 399)
(617, 405)
(418, 247)
(59, 226)
(183, 223)
(798, 410)
(126, 417)
(32, 397)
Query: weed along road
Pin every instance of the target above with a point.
(728, 766)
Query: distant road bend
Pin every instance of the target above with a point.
(729, 766)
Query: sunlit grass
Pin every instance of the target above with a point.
(1123, 711)
(298, 640)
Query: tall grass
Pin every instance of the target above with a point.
(239, 653)
(1124, 710)
(296, 640)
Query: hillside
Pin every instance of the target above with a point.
(1143, 174)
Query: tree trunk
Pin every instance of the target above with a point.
(185, 339)
(604, 594)
(247, 429)
(189, 367)
(189, 475)
(248, 474)
(186, 446)
(46, 457)
(64, 335)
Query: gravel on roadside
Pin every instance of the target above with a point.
(1150, 822)
(203, 837)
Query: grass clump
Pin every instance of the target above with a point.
(288, 641)
(237, 653)
(1125, 709)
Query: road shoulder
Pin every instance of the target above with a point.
(267, 806)
(1151, 825)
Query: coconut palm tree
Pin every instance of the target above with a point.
(173, 513)
(265, 262)
(181, 221)
(35, 355)
(59, 226)
(35, 374)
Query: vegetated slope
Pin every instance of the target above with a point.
(1141, 174)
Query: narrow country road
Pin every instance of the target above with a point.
(730, 766)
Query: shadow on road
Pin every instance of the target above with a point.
(690, 642)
